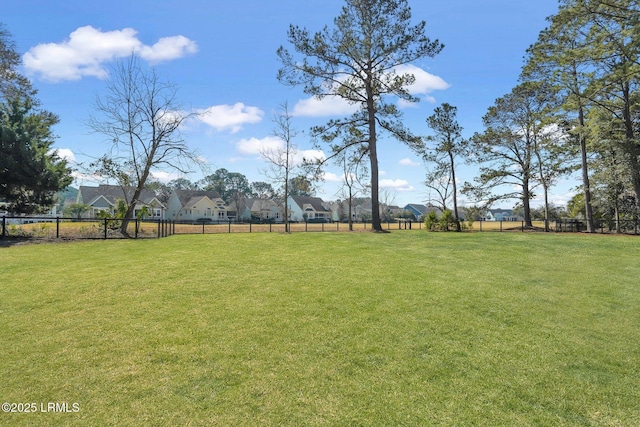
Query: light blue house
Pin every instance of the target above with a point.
(501, 215)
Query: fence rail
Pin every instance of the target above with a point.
(73, 228)
(40, 227)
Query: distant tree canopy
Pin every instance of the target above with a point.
(31, 172)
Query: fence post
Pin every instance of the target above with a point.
(501, 226)
(250, 226)
(480, 224)
(229, 226)
(105, 228)
(57, 227)
(4, 226)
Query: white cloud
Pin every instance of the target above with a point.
(397, 184)
(165, 176)
(407, 162)
(167, 48)
(425, 82)
(87, 50)
(332, 177)
(231, 117)
(328, 106)
(255, 146)
(309, 156)
(65, 153)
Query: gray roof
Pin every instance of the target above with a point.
(186, 196)
(112, 193)
(315, 202)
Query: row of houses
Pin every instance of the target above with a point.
(207, 206)
(200, 205)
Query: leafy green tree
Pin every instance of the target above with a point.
(12, 83)
(262, 190)
(300, 186)
(506, 150)
(31, 172)
(449, 145)
(358, 61)
(591, 50)
(217, 182)
(556, 58)
(182, 184)
(237, 188)
(76, 209)
(613, 46)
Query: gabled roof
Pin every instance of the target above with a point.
(315, 202)
(254, 205)
(422, 209)
(112, 193)
(187, 197)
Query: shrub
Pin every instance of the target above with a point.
(446, 220)
(431, 221)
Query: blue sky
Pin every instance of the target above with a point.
(222, 57)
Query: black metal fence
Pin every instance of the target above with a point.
(40, 227)
(604, 226)
(34, 227)
(217, 227)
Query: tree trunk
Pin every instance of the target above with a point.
(455, 192)
(376, 224)
(526, 203)
(591, 228)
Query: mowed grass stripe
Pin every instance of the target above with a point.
(411, 328)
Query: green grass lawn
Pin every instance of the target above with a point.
(408, 328)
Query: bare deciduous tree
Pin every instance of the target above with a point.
(141, 117)
(281, 159)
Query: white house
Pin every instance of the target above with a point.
(307, 209)
(197, 205)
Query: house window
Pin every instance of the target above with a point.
(220, 214)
